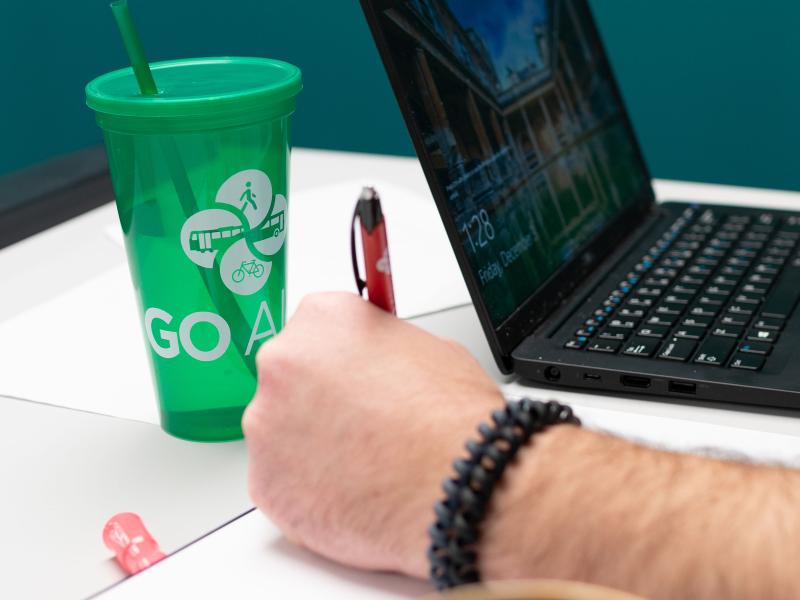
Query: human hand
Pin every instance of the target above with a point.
(355, 423)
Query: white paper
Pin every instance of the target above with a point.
(83, 349)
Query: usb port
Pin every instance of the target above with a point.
(636, 382)
(682, 388)
(591, 377)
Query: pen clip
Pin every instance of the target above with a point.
(360, 283)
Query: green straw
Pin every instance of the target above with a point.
(133, 46)
(183, 187)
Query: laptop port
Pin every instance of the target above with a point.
(591, 377)
(682, 388)
(635, 382)
(552, 374)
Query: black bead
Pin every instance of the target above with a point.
(456, 532)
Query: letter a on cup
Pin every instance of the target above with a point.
(256, 335)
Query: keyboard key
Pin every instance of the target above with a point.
(653, 331)
(778, 252)
(738, 263)
(677, 349)
(585, 332)
(760, 278)
(619, 323)
(657, 281)
(710, 301)
(758, 290)
(678, 298)
(631, 313)
(702, 310)
(697, 321)
(765, 219)
(662, 320)
(781, 302)
(747, 299)
(738, 309)
(755, 348)
(764, 269)
(700, 270)
(724, 281)
(745, 253)
(609, 347)
(768, 323)
(615, 334)
(689, 333)
(719, 290)
(734, 319)
(640, 347)
(639, 302)
(714, 351)
(748, 362)
(673, 263)
(733, 271)
(763, 335)
(576, 344)
(750, 245)
(681, 288)
(689, 280)
(728, 331)
(669, 309)
(665, 272)
(649, 292)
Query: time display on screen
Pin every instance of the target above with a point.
(478, 231)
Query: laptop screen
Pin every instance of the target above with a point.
(517, 116)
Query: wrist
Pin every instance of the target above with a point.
(525, 514)
(444, 439)
(456, 531)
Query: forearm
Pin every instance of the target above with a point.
(584, 506)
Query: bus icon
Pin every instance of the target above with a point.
(275, 225)
(213, 239)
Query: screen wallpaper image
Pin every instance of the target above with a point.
(516, 109)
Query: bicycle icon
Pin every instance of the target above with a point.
(248, 268)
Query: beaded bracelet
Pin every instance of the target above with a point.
(455, 533)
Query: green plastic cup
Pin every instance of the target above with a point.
(200, 175)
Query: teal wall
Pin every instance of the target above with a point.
(712, 85)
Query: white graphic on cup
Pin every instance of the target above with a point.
(250, 192)
(273, 230)
(242, 236)
(242, 272)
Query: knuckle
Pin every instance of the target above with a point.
(325, 303)
(272, 357)
(250, 419)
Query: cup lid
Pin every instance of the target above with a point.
(198, 88)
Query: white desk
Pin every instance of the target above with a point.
(51, 263)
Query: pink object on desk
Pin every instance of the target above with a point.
(134, 547)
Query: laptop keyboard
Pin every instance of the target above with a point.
(716, 289)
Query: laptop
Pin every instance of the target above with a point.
(580, 279)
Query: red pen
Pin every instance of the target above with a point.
(375, 247)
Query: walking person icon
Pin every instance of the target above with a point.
(247, 197)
